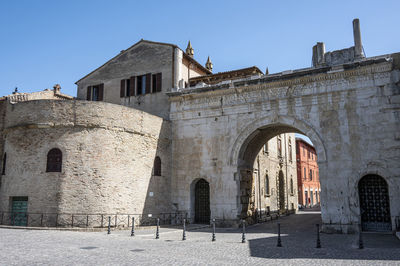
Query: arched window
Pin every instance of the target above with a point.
(3, 169)
(54, 160)
(266, 185)
(157, 166)
(291, 186)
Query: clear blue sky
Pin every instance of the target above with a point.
(48, 42)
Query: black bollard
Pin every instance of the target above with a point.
(360, 240)
(184, 230)
(133, 227)
(279, 236)
(109, 225)
(158, 230)
(318, 240)
(213, 234)
(244, 232)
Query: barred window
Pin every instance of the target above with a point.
(54, 160)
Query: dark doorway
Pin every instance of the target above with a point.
(281, 191)
(19, 209)
(374, 204)
(202, 202)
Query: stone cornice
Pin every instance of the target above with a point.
(303, 80)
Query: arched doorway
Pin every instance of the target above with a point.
(202, 202)
(374, 204)
(281, 191)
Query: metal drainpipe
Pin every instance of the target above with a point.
(287, 191)
(259, 183)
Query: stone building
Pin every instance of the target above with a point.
(274, 178)
(153, 131)
(307, 174)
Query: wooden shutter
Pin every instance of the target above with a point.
(133, 86)
(89, 93)
(122, 91)
(101, 92)
(158, 82)
(148, 83)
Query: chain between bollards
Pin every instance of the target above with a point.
(213, 233)
(133, 227)
(158, 230)
(109, 225)
(279, 236)
(243, 232)
(318, 239)
(184, 230)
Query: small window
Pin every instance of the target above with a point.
(157, 166)
(266, 185)
(279, 147)
(265, 148)
(95, 93)
(291, 186)
(310, 174)
(3, 169)
(156, 82)
(290, 149)
(309, 154)
(54, 160)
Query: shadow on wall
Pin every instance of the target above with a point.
(158, 197)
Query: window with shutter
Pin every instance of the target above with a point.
(54, 160)
(89, 93)
(158, 82)
(122, 88)
(139, 84)
(101, 92)
(148, 83)
(133, 87)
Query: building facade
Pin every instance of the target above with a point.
(309, 189)
(275, 181)
(153, 131)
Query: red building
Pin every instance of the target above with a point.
(307, 174)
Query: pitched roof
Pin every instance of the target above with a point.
(151, 42)
(227, 75)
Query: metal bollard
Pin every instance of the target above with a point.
(318, 240)
(158, 230)
(133, 227)
(109, 225)
(213, 233)
(279, 236)
(243, 232)
(360, 240)
(184, 230)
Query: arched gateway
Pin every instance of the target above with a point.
(374, 204)
(219, 130)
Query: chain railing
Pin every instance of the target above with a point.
(88, 220)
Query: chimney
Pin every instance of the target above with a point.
(318, 57)
(358, 50)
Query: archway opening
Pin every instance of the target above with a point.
(201, 202)
(374, 204)
(278, 172)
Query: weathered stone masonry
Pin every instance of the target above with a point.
(108, 153)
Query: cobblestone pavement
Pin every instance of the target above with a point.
(37, 247)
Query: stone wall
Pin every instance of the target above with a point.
(350, 114)
(108, 153)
